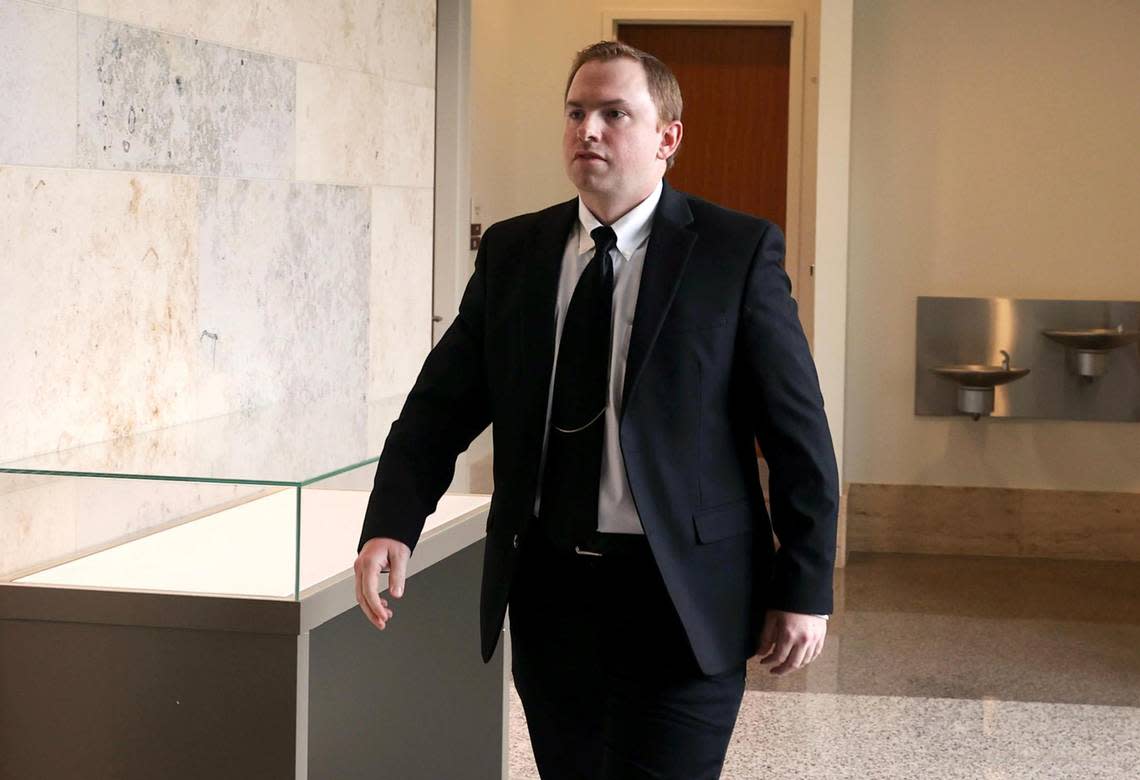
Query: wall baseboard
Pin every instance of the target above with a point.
(841, 547)
(1007, 522)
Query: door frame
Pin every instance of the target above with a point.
(803, 113)
(451, 256)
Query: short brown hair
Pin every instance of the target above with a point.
(663, 86)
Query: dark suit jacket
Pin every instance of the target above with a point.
(717, 355)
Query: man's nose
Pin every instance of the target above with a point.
(588, 130)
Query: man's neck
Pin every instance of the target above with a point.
(610, 211)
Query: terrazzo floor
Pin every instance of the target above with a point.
(949, 667)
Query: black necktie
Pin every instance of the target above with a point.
(568, 508)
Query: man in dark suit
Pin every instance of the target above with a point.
(628, 346)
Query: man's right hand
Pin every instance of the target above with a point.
(376, 556)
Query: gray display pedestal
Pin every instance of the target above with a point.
(120, 684)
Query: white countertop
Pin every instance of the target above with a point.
(247, 550)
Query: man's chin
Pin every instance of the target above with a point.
(583, 181)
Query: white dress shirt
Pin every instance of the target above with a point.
(616, 512)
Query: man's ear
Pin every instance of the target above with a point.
(670, 139)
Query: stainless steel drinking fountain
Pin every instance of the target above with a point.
(1090, 347)
(976, 383)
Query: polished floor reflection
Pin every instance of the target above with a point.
(950, 667)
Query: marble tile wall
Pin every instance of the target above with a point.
(283, 272)
(327, 32)
(401, 231)
(206, 206)
(38, 85)
(98, 279)
(406, 50)
(67, 5)
(150, 101)
(352, 129)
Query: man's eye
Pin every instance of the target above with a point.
(575, 114)
(615, 113)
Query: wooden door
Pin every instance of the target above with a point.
(735, 84)
(734, 81)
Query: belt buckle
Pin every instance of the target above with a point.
(580, 551)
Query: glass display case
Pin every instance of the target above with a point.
(265, 502)
(219, 555)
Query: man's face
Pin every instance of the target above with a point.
(611, 140)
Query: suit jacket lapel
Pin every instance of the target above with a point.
(670, 243)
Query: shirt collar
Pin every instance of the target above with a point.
(631, 229)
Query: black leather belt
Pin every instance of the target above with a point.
(606, 545)
(602, 545)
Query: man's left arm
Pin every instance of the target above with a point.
(790, 423)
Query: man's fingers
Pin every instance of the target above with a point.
(361, 599)
(372, 593)
(371, 610)
(773, 640)
(779, 640)
(780, 649)
(816, 651)
(398, 562)
(810, 652)
(359, 589)
(794, 660)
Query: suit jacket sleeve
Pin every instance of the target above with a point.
(791, 426)
(447, 407)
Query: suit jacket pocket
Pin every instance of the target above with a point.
(721, 522)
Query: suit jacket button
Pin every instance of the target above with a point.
(515, 541)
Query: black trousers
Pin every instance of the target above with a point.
(605, 672)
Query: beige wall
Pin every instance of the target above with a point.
(994, 153)
(829, 343)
